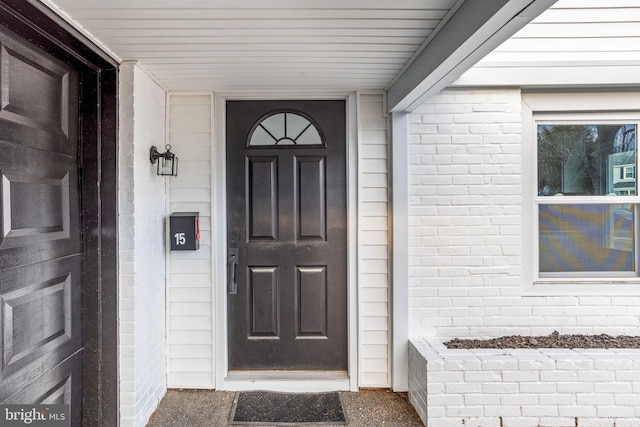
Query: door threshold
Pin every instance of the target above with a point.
(288, 375)
(286, 381)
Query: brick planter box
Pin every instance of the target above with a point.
(524, 388)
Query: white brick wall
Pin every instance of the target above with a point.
(466, 228)
(141, 244)
(523, 388)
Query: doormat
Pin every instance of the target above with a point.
(263, 407)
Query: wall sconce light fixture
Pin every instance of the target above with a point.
(167, 161)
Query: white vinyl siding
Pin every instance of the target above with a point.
(573, 42)
(189, 284)
(592, 31)
(374, 241)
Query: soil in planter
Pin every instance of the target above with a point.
(555, 340)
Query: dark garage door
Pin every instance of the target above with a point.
(40, 240)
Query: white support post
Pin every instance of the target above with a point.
(400, 253)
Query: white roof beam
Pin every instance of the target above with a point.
(475, 29)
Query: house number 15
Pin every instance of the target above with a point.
(180, 239)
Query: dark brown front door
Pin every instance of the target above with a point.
(287, 235)
(40, 240)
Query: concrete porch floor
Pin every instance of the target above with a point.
(200, 408)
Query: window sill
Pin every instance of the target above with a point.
(554, 287)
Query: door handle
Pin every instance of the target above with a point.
(232, 261)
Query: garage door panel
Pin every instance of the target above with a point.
(38, 199)
(36, 137)
(40, 325)
(61, 385)
(37, 91)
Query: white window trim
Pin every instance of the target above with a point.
(576, 107)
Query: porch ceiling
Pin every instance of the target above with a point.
(277, 45)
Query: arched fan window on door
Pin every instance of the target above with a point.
(285, 128)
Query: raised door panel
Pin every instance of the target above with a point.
(311, 197)
(41, 325)
(311, 307)
(36, 98)
(264, 314)
(35, 209)
(60, 385)
(262, 200)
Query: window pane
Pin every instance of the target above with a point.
(309, 137)
(285, 129)
(275, 126)
(261, 137)
(296, 124)
(586, 160)
(586, 238)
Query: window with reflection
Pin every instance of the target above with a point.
(586, 200)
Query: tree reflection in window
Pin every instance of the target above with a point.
(285, 128)
(586, 160)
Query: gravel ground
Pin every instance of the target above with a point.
(200, 408)
(555, 340)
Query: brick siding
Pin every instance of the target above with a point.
(523, 388)
(467, 236)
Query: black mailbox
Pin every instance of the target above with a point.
(184, 231)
